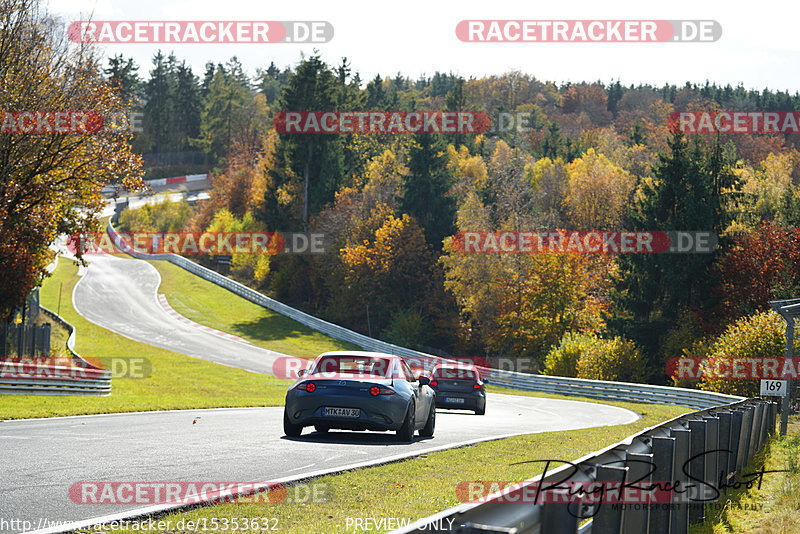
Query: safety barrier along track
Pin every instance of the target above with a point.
(697, 453)
(619, 391)
(47, 377)
(721, 437)
(549, 384)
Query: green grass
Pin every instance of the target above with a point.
(421, 486)
(770, 509)
(409, 489)
(177, 381)
(211, 305)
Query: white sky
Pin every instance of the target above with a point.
(759, 45)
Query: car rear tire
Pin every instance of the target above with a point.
(406, 432)
(482, 411)
(430, 424)
(290, 429)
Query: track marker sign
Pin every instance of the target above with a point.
(775, 388)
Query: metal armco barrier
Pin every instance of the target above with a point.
(692, 452)
(598, 389)
(79, 378)
(690, 460)
(548, 384)
(310, 321)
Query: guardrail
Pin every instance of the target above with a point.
(42, 377)
(725, 435)
(330, 329)
(598, 389)
(681, 465)
(548, 384)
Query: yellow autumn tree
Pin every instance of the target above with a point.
(522, 304)
(598, 192)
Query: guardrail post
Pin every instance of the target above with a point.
(608, 518)
(765, 419)
(637, 513)
(768, 421)
(735, 441)
(744, 438)
(773, 414)
(712, 456)
(757, 427)
(697, 469)
(725, 454)
(679, 518)
(754, 431)
(558, 518)
(663, 474)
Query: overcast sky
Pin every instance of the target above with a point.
(759, 45)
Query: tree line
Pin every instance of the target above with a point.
(592, 156)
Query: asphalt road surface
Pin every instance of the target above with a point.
(120, 294)
(43, 458)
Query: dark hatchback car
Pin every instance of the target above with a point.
(458, 387)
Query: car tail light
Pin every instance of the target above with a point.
(376, 390)
(308, 386)
(476, 386)
(434, 383)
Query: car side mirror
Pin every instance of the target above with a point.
(424, 380)
(301, 372)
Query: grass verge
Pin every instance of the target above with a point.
(420, 486)
(408, 489)
(211, 305)
(176, 382)
(771, 508)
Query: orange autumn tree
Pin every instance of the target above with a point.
(394, 273)
(50, 182)
(760, 266)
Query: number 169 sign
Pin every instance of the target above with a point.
(775, 388)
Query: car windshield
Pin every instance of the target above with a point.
(353, 365)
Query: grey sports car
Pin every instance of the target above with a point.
(360, 391)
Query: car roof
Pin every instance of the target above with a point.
(456, 365)
(362, 353)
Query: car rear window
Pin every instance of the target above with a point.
(353, 365)
(454, 373)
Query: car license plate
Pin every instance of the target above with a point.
(341, 412)
(455, 400)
